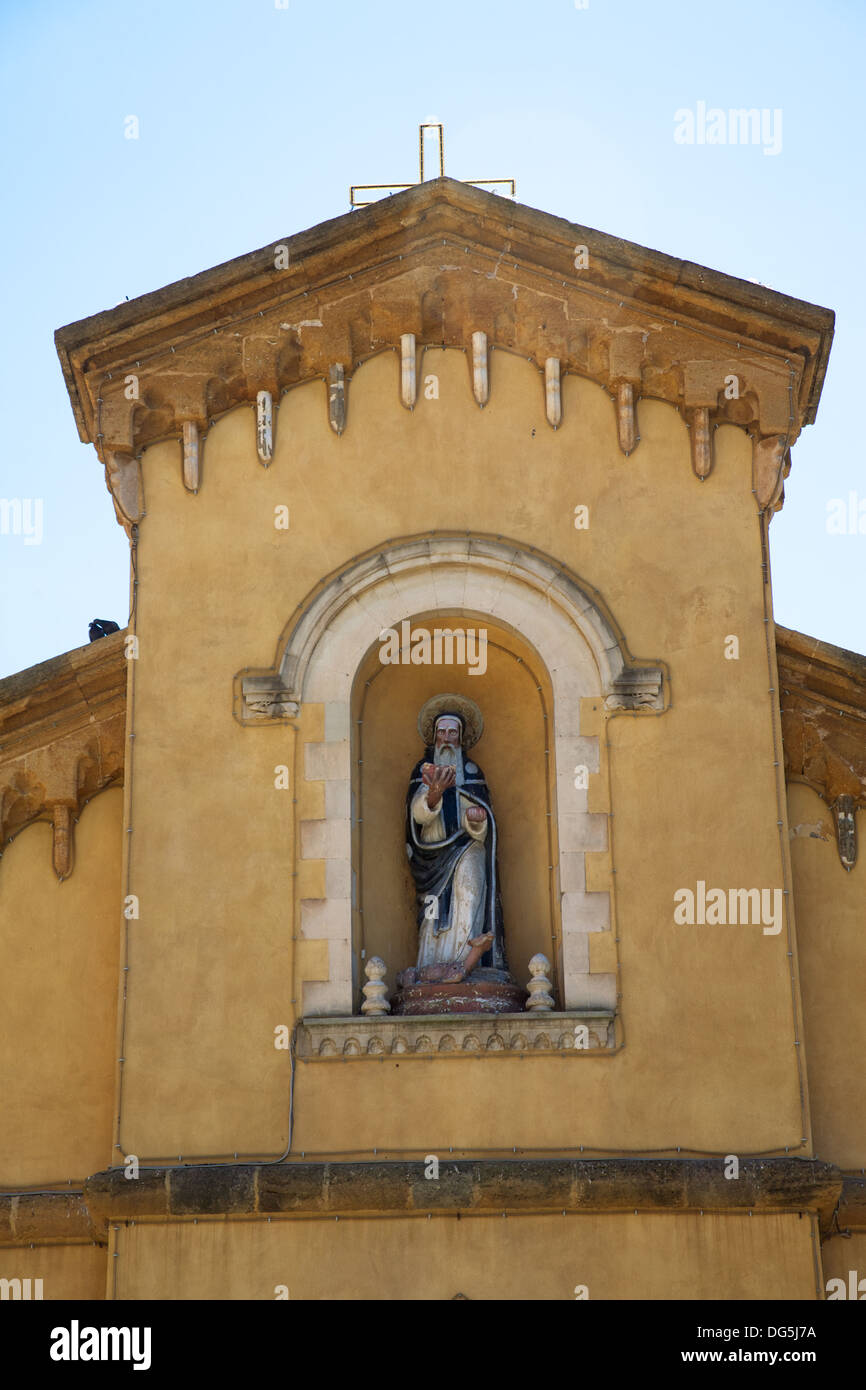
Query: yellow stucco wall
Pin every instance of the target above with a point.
(66, 1271)
(59, 948)
(840, 1257)
(831, 917)
(709, 1061)
(617, 1256)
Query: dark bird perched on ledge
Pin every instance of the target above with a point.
(101, 627)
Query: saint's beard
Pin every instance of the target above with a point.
(449, 757)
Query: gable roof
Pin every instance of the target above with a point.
(444, 260)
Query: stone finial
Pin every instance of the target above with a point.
(539, 985)
(375, 991)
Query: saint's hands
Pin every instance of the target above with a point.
(436, 780)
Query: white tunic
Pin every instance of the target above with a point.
(443, 940)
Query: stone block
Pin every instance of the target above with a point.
(575, 956)
(327, 999)
(325, 918)
(585, 991)
(223, 1190)
(327, 761)
(49, 1216)
(127, 1198)
(285, 1187)
(338, 799)
(325, 839)
(454, 1187)
(572, 877)
(514, 1183)
(368, 1186)
(338, 878)
(585, 912)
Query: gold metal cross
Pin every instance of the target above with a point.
(385, 190)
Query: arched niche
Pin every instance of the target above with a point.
(331, 636)
(515, 695)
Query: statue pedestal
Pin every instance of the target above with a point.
(483, 992)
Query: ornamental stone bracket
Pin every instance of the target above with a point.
(445, 265)
(638, 687)
(265, 699)
(460, 1035)
(62, 731)
(822, 700)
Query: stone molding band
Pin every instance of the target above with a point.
(480, 1186)
(466, 1035)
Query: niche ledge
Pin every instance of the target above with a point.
(462, 1035)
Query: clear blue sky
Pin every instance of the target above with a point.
(296, 104)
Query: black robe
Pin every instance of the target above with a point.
(433, 867)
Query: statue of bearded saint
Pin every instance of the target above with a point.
(451, 842)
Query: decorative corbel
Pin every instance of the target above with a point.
(337, 398)
(191, 457)
(480, 378)
(264, 698)
(626, 355)
(117, 416)
(63, 847)
(625, 425)
(123, 480)
(701, 442)
(843, 809)
(702, 381)
(768, 469)
(637, 687)
(265, 427)
(408, 360)
(552, 391)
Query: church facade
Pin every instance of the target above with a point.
(454, 455)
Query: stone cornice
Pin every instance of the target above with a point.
(47, 1218)
(464, 1185)
(822, 699)
(62, 726)
(446, 264)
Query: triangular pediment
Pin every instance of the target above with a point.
(446, 262)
